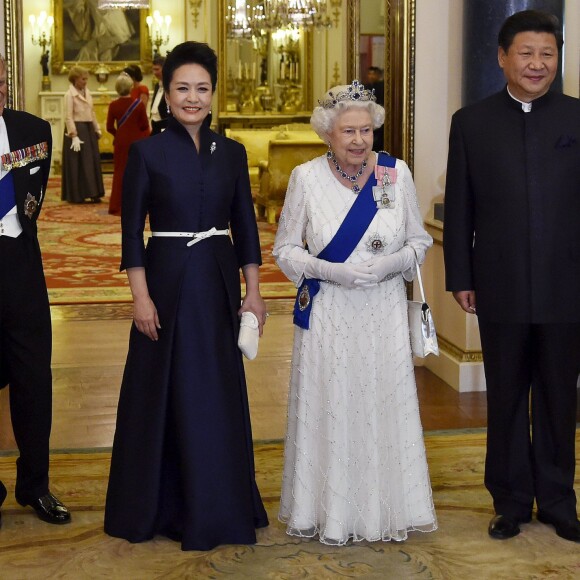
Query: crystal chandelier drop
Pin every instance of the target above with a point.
(122, 4)
(251, 17)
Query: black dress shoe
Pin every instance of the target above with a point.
(49, 509)
(568, 529)
(503, 527)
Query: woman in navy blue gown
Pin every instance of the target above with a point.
(182, 463)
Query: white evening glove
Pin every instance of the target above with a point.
(76, 143)
(347, 275)
(399, 261)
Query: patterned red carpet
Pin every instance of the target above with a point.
(81, 248)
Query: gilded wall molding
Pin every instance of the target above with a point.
(400, 30)
(14, 52)
(462, 356)
(194, 6)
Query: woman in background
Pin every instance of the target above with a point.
(138, 91)
(127, 122)
(82, 179)
(182, 463)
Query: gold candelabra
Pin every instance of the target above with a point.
(158, 27)
(41, 26)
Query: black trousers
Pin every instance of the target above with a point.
(531, 372)
(25, 355)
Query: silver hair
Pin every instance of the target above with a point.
(123, 84)
(323, 119)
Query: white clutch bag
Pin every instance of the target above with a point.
(249, 335)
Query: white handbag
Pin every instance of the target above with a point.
(249, 335)
(421, 326)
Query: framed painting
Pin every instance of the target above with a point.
(86, 36)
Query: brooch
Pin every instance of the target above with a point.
(376, 243)
(304, 298)
(212, 147)
(30, 205)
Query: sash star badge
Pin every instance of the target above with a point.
(376, 243)
(303, 298)
(30, 206)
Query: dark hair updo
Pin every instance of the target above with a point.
(190, 52)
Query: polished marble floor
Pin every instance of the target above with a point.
(90, 346)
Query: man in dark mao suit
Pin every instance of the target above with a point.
(25, 329)
(512, 254)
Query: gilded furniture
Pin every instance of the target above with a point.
(258, 120)
(283, 156)
(256, 142)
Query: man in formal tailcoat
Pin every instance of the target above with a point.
(512, 255)
(158, 111)
(25, 328)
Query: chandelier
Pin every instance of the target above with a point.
(122, 4)
(248, 18)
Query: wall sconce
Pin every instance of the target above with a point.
(41, 26)
(158, 27)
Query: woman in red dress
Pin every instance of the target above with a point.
(127, 122)
(138, 91)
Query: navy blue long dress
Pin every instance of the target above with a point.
(182, 463)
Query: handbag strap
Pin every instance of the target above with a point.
(420, 280)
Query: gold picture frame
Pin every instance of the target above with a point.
(302, 88)
(122, 37)
(399, 73)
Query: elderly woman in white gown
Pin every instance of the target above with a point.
(349, 236)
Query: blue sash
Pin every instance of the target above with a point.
(349, 234)
(7, 194)
(125, 116)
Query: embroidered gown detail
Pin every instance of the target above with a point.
(355, 464)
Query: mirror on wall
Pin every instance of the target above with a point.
(264, 70)
(394, 20)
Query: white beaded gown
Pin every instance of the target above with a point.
(355, 465)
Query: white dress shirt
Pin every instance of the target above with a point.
(154, 112)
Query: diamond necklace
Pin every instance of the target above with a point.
(344, 174)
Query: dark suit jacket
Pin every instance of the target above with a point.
(163, 112)
(512, 208)
(25, 130)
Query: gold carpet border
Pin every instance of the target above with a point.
(124, 310)
(95, 295)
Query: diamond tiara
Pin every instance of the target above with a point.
(354, 92)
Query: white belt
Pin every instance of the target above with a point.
(197, 236)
